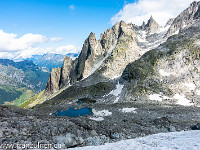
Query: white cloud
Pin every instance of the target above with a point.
(67, 49)
(27, 53)
(12, 46)
(10, 42)
(161, 10)
(72, 7)
(56, 39)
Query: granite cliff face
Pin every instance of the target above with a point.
(185, 19)
(53, 81)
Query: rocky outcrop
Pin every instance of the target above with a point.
(124, 52)
(185, 19)
(54, 79)
(151, 27)
(65, 72)
(169, 22)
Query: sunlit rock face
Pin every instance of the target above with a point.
(185, 19)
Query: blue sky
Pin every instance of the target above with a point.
(30, 27)
(56, 18)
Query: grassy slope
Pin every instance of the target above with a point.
(27, 94)
(37, 99)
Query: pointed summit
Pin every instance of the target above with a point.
(152, 26)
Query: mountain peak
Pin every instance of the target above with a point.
(92, 35)
(194, 3)
(152, 26)
(151, 21)
(151, 18)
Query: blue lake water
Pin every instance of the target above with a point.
(71, 112)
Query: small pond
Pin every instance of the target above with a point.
(71, 112)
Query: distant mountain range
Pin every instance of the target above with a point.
(48, 60)
(19, 78)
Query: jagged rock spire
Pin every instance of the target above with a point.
(152, 26)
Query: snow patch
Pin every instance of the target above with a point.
(97, 118)
(163, 73)
(184, 140)
(165, 97)
(191, 86)
(98, 115)
(141, 40)
(101, 113)
(118, 90)
(127, 110)
(198, 92)
(177, 32)
(156, 97)
(116, 100)
(184, 25)
(182, 100)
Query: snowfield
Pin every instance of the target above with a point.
(184, 140)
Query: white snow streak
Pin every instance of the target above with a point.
(182, 100)
(98, 115)
(127, 110)
(101, 113)
(191, 86)
(97, 65)
(177, 32)
(118, 90)
(164, 73)
(97, 118)
(156, 97)
(198, 92)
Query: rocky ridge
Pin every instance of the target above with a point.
(109, 55)
(185, 19)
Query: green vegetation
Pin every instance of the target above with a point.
(20, 81)
(8, 93)
(27, 94)
(37, 99)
